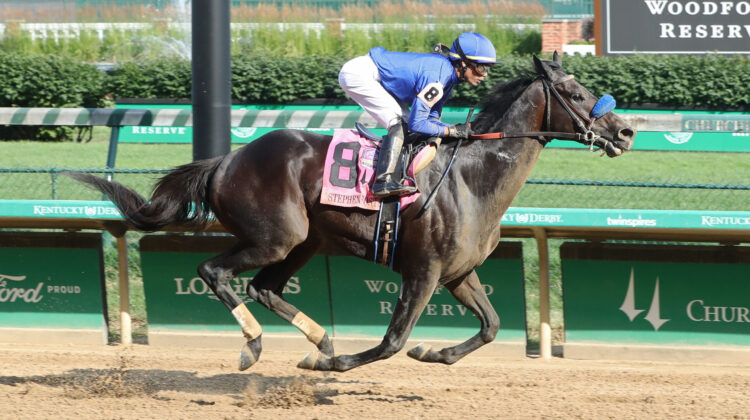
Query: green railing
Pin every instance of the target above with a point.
(49, 184)
(562, 178)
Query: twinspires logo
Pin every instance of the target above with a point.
(432, 309)
(621, 221)
(196, 286)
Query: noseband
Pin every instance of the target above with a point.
(583, 123)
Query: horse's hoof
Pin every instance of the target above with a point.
(248, 356)
(309, 361)
(419, 352)
(315, 361)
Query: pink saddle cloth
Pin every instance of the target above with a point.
(350, 170)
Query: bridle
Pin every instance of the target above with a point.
(583, 133)
(583, 125)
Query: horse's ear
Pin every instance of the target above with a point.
(556, 58)
(542, 69)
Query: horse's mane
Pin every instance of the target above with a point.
(497, 102)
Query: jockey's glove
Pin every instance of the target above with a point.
(460, 131)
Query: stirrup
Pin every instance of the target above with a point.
(387, 188)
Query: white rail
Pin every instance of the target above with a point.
(58, 31)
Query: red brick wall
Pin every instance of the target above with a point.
(556, 32)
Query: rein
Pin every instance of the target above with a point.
(583, 124)
(583, 133)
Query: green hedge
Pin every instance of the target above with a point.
(713, 81)
(48, 81)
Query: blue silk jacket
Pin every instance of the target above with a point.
(423, 81)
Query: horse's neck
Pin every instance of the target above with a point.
(507, 163)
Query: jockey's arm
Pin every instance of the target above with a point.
(425, 112)
(435, 116)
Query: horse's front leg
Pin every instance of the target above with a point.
(469, 292)
(415, 293)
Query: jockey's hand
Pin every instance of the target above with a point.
(460, 131)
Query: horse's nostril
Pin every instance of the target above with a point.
(626, 133)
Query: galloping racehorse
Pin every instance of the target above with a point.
(267, 194)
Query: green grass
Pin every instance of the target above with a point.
(639, 167)
(670, 167)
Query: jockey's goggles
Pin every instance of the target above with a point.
(479, 69)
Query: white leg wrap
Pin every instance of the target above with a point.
(310, 328)
(250, 326)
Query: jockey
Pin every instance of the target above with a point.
(386, 84)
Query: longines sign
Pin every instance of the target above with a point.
(674, 26)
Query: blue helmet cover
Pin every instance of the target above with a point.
(604, 105)
(476, 47)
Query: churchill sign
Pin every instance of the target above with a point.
(673, 27)
(656, 295)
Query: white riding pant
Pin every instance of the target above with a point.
(360, 80)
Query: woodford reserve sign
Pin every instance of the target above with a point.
(673, 27)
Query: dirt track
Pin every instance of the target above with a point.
(63, 382)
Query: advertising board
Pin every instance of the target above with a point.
(673, 27)
(177, 299)
(673, 295)
(363, 302)
(52, 288)
(347, 296)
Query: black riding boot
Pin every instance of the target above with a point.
(390, 150)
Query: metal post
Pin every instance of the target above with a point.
(114, 138)
(545, 330)
(212, 81)
(126, 331)
(598, 38)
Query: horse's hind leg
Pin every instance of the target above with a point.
(218, 271)
(415, 293)
(469, 292)
(267, 286)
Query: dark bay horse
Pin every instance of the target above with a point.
(267, 194)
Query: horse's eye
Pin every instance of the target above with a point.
(577, 97)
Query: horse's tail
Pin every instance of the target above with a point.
(179, 198)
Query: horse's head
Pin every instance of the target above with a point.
(571, 108)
